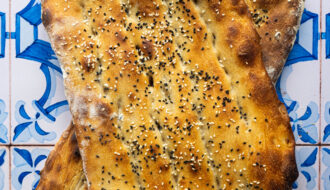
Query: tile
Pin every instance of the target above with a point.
(325, 131)
(40, 114)
(308, 165)
(26, 164)
(4, 27)
(299, 88)
(325, 168)
(4, 168)
(299, 84)
(39, 107)
(326, 28)
(325, 96)
(4, 74)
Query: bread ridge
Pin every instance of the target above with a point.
(254, 77)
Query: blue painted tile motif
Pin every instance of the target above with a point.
(27, 163)
(306, 160)
(3, 128)
(28, 126)
(326, 131)
(2, 34)
(299, 52)
(2, 174)
(30, 47)
(303, 126)
(326, 162)
(327, 36)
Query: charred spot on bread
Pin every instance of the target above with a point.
(46, 17)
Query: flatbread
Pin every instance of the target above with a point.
(63, 168)
(277, 23)
(253, 92)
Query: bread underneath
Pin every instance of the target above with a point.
(277, 23)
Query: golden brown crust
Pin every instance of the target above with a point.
(170, 95)
(277, 23)
(63, 168)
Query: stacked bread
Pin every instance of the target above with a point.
(172, 94)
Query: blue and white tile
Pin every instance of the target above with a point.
(325, 168)
(299, 84)
(308, 165)
(4, 73)
(39, 107)
(325, 131)
(4, 168)
(4, 27)
(26, 164)
(325, 97)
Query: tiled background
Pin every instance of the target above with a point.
(33, 110)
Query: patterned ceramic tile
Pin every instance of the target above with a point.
(39, 108)
(26, 164)
(308, 166)
(4, 74)
(325, 168)
(325, 107)
(4, 168)
(299, 84)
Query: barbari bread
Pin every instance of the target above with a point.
(170, 95)
(271, 18)
(277, 23)
(268, 16)
(63, 168)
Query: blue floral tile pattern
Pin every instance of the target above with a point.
(39, 111)
(29, 124)
(303, 118)
(4, 76)
(3, 117)
(298, 87)
(26, 166)
(326, 130)
(36, 117)
(325, 167)
(4, 168)
(308, 166)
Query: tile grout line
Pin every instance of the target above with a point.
(320, 99)
(314, 145)
(33, 145)
(10, 108)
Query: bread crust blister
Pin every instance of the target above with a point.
(170, 95)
